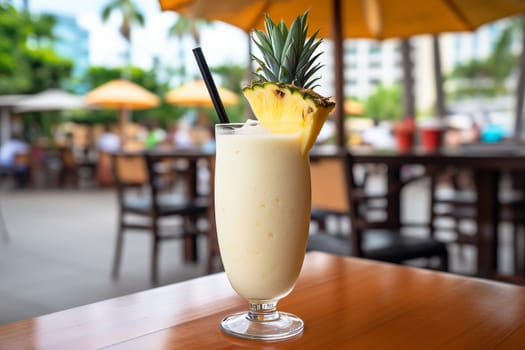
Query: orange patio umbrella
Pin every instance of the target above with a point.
(352, 107)
(122, 95)
(195, 94)
(375, 19)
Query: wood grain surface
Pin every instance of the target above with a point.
(346, 303)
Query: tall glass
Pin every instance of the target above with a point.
(262, 209)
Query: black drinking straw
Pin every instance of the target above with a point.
(210, 84)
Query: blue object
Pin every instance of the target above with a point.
(492, 133)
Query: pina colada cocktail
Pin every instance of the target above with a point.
(262, 188)
(262, 181)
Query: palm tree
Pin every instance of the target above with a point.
(487, 76)
(130, 15)
(182, 27)
(187, 26)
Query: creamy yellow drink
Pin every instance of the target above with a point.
(262, 180)
(262, 204)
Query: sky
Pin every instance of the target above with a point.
(107, 46)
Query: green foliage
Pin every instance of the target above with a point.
(47, 68)
(385, 103)
(98, 75)
(26, 68)
(231, 77)
(42, 28)
(486, 77)
(14, 72)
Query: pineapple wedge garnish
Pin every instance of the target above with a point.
(283, 98)
(285, 108)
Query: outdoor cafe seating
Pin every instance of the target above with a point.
(20, 173)
(334, 190)
(144, 184)
(453, 208)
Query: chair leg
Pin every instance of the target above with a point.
(518, 245)
(444, 262)
(118, 248)
(190, 242)
(3, 228)
(459, 240)
(432, 209)
(154, 252)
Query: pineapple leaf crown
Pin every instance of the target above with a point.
(287, 55)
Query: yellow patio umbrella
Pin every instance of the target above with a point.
(376, 19)
(122, 95)
(195, 94)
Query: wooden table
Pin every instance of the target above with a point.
(487, 165)
(346, 303)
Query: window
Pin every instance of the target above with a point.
(374, 49)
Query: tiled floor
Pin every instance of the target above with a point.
(60, 250)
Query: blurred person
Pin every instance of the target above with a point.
(10, 163)
(15, 145)
(155, 135)
(181, 136)
(209, 144)
(461, 129)
(108, 142)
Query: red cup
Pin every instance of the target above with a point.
(430, 138)
(404, 140)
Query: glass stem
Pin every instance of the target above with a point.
(263, 311)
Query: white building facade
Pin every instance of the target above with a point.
(369, 63)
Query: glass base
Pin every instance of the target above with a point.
(243, 325)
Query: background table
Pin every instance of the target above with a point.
(487, 164)
(345, 302)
